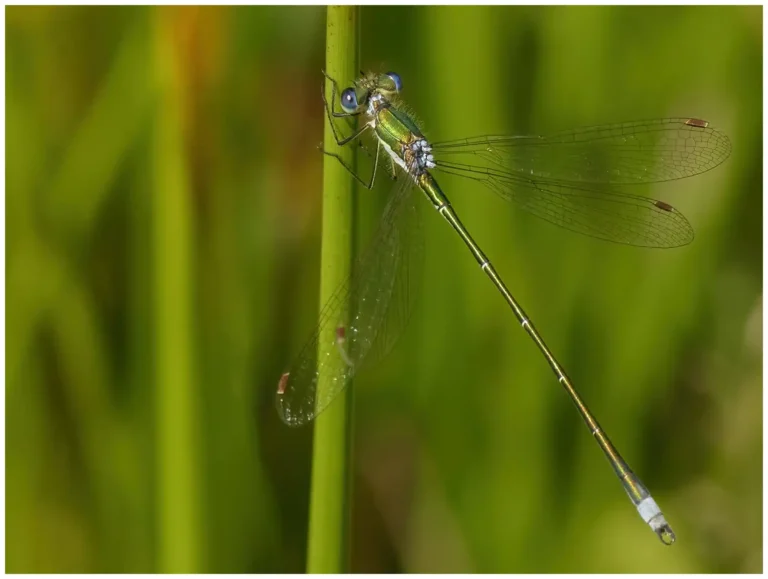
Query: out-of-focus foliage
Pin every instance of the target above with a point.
(162, 215)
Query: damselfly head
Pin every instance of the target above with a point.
(367, 87)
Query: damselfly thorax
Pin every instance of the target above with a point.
(400, 138)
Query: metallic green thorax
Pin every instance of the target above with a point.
(398, 132)
(394, 128)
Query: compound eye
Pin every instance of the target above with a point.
(349, 100)
(397, 80)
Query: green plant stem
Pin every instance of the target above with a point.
(329, 518)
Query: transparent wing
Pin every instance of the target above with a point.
(406, 275)
(624, 153)
(564, 178)
(589, 210)
(377, 296)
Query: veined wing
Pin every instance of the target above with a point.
(406, 275)
(624, 153)
(362, 319)
(587, 209)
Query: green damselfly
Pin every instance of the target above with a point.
(567, 178)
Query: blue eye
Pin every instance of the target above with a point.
(349, 100)
(397, 80)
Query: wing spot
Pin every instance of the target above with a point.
(697, 123)
(281, 385)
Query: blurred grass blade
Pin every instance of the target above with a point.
(103, 139)
(176, 411)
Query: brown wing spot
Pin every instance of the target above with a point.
(697, 123)
(664, 206)
(341, 334)
(283, 383)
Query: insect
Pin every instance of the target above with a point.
(568, 178)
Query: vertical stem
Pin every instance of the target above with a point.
(329, 516)
(176, 411)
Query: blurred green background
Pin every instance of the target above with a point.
(163, 211)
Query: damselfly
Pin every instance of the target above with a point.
(567, 178)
